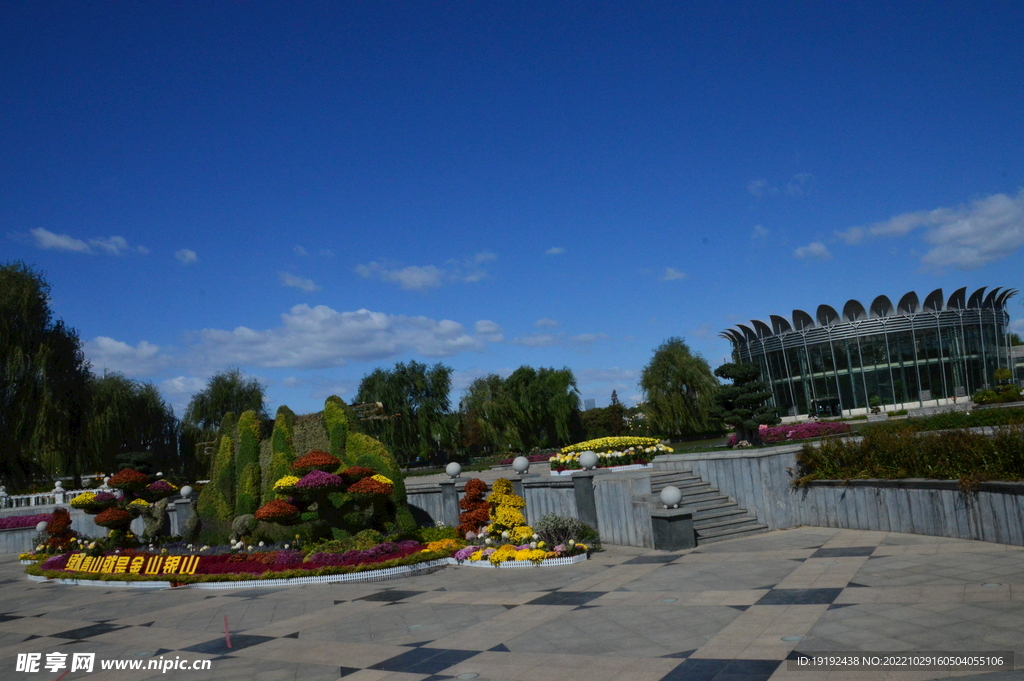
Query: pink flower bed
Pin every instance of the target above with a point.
(800, 431)
(17, 522)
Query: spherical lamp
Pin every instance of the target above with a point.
(671, 496)
(186, 491)
(521, 464)
(588, 460)
(41, 526)
(453, 469)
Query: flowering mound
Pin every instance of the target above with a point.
(161, 488)
(277, 511)
(356, 473)
(610, 444)
(318, 480)
(129, 480)
(611, 451)
(370, 486)
(801, 431)
(113, 518)
(286, 484)
(316, 459)
(475, 511)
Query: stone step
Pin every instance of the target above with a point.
(723, 522)
(736, 533)
(692, 496)
(658, 483)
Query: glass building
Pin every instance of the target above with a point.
(904, 355)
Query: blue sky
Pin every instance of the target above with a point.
(312, 190)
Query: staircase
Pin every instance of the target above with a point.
(716, 517)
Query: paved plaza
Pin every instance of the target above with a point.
(720, 612)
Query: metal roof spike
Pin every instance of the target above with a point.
(763, 330)
(957, 300)
(934, 301)
(854, 311)
(802, 320)
(990, 298)
(748, 332)
(827, 315)
(976, 298)
(908, 304)
(780, 324)
(881, 307)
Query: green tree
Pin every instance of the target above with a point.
(226, 391)
(679, 391)
(43, 383)
(1015, 339)
(744, 403)
(281, 452)
(130, 424)
(531, 408)
(607, 421)
(416, 396)
(247, 464)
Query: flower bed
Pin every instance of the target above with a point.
(17, 522)
(802, 431)
(612, 452)
(626, 467)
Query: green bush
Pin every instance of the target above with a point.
(434, 533)
(951, 420)
(887, 453)
(281, 453)
(336, 423)
(554, 530)
(247, 465)
(216, 501)
(1001, 395)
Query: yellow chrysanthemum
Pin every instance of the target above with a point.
(382, 479)
(139, 503)
(84, 499)
(286, 482)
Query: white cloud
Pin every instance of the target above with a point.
(489, 331)
(105, 353)
(536, 340)
(800, 185)
(672, 274)
(183, 386)
(966, 237)
(320, 337)
(760, 233)
(704, 332)
(421, 278)
(584, 341)
(291, 382)
(545, 323)
(113, 245)
(186, 256)
(411, 278)
(813, 251)
(298, 282)
(300, 251)
(555, 250)
(761, 188)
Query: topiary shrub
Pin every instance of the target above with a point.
(475, 511)
(281, 453)
(216, 501)
(247, 465)
(336, 423)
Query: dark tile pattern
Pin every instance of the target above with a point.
(88, 632)
(424, 660)
(799, 597)
(846, 552)
(500, 648)
(219, 646)
(653, 558)
(390, 596)
(567, 598)
(683, 655)
(723, 670)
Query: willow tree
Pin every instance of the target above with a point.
(226, 391)
(417, 410)
(43, 383)
(130, 423)
(532, 408)
(679, 391)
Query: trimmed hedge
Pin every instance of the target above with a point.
(336, 423)
(247, 465)
(951, 420)
(216, 500)
(281, 453)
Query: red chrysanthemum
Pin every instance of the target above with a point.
(354, 474)
(276, 511)
(370, 486)
(317, 459)
(114, 518)
(129, 479)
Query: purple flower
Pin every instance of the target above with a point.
(319, 480)
(13, 522)
(161, 486)
(464, 554)
(102, 497)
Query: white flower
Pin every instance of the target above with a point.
(261, 543)
(536, 536)
(533, 545)
(572, 542)
(287, 546)
(250, 547)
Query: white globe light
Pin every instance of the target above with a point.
(186, 491)
(521, 464)
(588, 460)
(453, 469)
(41, 526)
(671, 496)
(58, 486)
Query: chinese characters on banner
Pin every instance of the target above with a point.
(133, 565)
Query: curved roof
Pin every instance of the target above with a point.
(827, 315)
(882, 306)
(854, 311)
